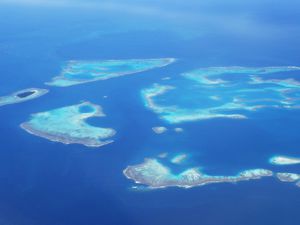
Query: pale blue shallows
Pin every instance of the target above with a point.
(77, 72)
(68, 125)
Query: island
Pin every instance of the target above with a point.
(178, 129)
(68, 125)
(154, 174)
(80, 71)
(22, 96)
(159, 130)
(222, 93)
(179, 158)
(284, 160)
(289, 177)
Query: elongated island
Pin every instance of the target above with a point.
(284, 160)
(155, 174)
(81, 71)
(22, 96)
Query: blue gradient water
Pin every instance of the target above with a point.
(43, 182)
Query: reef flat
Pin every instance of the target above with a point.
(223, 92)
(68, 125)
(155, 174)
(22, 96)
(284, 160)
(213, 75)
(78, 72)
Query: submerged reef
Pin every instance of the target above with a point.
(155, 174)
(161, 130)
(223, 92)
(284, 160)
(68, 125)
(178, 130)
(211, 75)
(22, 96)
(78, 72)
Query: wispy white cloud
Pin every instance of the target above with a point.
(117, 6)
(203, 17)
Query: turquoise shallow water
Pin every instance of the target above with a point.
(43, 182)
(78, 72)
(86, 109)
(69, 125)
(202, 94)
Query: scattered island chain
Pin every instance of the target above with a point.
(205, 93)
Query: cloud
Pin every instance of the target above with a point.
(118, 6)
(232, 17)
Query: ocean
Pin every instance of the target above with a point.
(43, 182)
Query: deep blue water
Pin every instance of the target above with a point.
(42, 182)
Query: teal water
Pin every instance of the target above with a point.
(212, 93)
(86, 109)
